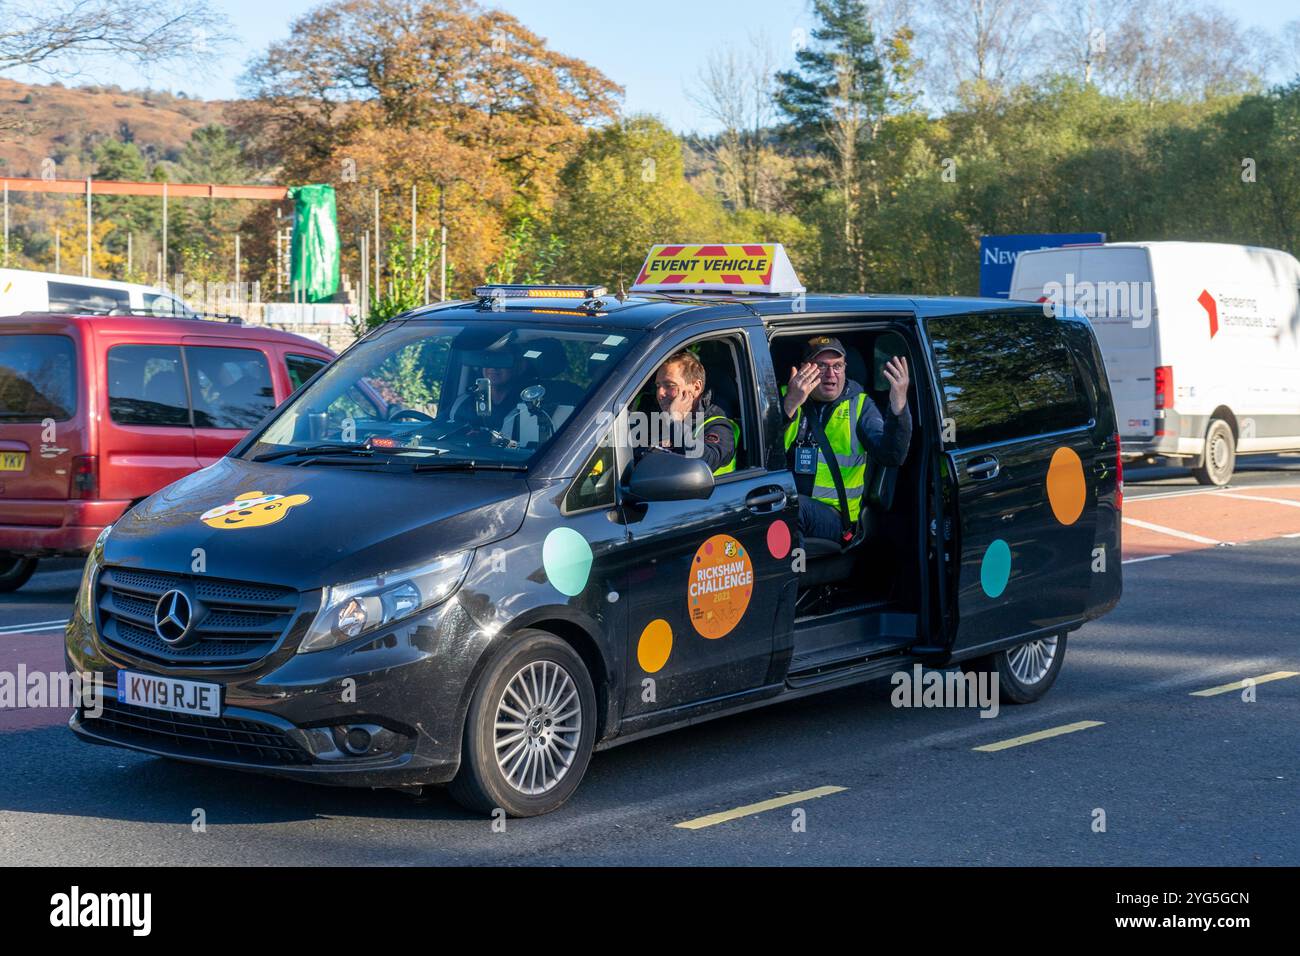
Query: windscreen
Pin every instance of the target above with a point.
(481, 391)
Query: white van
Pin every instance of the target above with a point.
(22, 290)
(1199, 338)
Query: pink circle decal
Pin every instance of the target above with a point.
(778, 539)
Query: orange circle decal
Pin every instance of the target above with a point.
(722, 580)
(1066, 489)
(655, 645)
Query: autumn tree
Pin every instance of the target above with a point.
(464, 103)
(624, 191)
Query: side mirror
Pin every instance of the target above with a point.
(664, 476)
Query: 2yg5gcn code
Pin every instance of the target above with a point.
(1203, 898)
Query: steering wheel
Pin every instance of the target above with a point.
(409, 415)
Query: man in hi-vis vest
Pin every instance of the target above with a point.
(825, 412)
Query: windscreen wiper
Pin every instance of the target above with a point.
(315, 450)
(364, 450)
(468, 466)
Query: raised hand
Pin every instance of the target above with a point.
(896, 373)
(802, 382)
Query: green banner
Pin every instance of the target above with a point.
(314, 271)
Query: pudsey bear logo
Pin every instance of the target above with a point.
(254, 509)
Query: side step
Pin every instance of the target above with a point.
(847, 640)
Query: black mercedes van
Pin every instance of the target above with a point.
(443, 562)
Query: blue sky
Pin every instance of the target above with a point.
(652, 49)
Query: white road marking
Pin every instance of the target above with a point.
(1172, 532)
(34, 626)
(1136, 495)
(1149, 557)
(1276, 501)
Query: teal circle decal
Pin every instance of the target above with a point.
(566, 558)
(995, 569)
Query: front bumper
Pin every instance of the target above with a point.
(281, 716)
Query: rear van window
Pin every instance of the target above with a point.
(146, 385)
(230, 388)
(1006, 376)
(70, 297)
(38, 378)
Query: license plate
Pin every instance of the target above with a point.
(13, 460)
(169, 693)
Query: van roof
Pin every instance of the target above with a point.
(46, 321)
(1162, 244)
(649, 310)
(78, 280)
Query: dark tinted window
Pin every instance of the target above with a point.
(146, 385)
(231, 388)
(70, 297)
(301, 368)
(1005, 376)
(595, 487)
(38, 378)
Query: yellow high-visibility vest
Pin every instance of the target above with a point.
(842, 434)
(730, 466)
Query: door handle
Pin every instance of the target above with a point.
(762, 502)
(983, 468)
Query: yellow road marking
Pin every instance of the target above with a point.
(1040, 735)
(700, 822)
(1240, 684)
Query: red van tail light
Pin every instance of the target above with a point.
(1165, 386)
(1119, 473)
(85, 476)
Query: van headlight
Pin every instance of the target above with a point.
(86, 592)
(350, 610)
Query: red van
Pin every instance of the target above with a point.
(97, 412)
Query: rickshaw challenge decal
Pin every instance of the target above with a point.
(722, 581)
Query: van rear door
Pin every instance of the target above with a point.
(41, 410)
(1021, 462)
(146, 440)
(1112, 286)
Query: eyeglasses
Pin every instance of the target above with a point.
(836, 368)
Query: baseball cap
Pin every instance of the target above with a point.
(822, 343)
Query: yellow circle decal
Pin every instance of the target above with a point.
(722, 580)
(1066, 488)
(655, 645)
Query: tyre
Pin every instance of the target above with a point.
(1220, 456)
(1025, 672)
(15, 569)
(530, 729)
